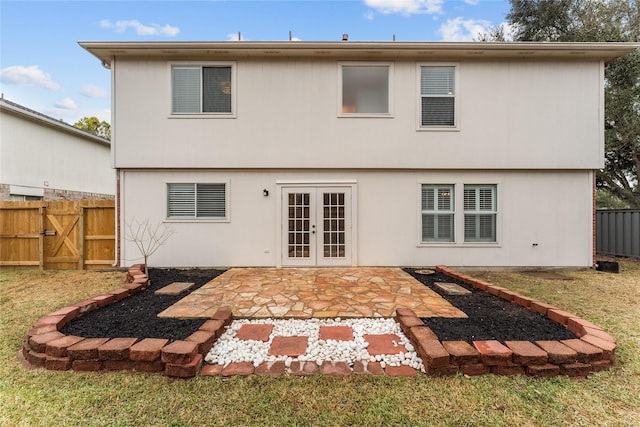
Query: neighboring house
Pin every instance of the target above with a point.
(360, 153)
(42, 158)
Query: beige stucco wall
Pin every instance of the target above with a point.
(512, 115)
(552, 209)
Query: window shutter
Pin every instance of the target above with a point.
(437, 213)
(180, 201)
(480, 213)
(185, 91)
(469, 199)
(445, 227)
(428, 198)
(216, 93)
(428, 227)
(211, 201)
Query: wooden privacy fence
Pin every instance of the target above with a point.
(57, 235)
(618, 232)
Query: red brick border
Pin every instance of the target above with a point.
(45, 346)
(594, 350)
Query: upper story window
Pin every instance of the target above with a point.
(202, 89)
(365, 89)
(197, 201)
(437, 96)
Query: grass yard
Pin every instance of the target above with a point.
(39, 397)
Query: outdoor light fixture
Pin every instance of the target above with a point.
(265, 192)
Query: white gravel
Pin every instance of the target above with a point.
(229, 349)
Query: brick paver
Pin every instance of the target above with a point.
(254, 332)
(288, 346)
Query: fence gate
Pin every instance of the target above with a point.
(57, 235)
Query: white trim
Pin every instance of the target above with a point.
(201, 115)
(456, 97)
(316, 182)
(390, 99)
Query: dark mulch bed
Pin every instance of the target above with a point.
(490, 317)
(136, 316)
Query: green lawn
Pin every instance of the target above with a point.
(39, 397)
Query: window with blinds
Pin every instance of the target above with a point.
(437, 96)
(480, 213)
(437, 213)
(365, 89)
(192, 201)
(199, 89)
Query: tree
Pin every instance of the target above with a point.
(147, 237)
(596, 21)
(95, 126)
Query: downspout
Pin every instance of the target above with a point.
(111, 66)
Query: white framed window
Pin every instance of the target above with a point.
(365, 89)
(438, 103)
(438, 210)
(480, 213)
(207, 201)
(203, 89)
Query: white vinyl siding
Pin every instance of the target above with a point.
(480, 213)
(437, 213)
(365, 89)
(196, 201)
(437, 96)
(199, 89)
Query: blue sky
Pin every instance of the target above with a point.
(43, 68)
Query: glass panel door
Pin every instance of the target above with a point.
(299, 225)
(316, 226)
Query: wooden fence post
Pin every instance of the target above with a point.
(42, 212)
(81, 239)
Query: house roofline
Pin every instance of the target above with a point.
(105, 51)
(35, 116)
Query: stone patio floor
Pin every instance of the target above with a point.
(302, 293)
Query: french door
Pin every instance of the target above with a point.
(316, 227)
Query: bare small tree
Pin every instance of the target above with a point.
(147, 237)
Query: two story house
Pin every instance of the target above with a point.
(359, 153)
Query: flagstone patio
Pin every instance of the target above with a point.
(302, 293)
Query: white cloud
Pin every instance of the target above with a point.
(459, 29)
(235, 37)
(141, 29)
(66, 104)
(91, 91)
(28, 76)
(368, 15)
(472, 2)
(406, 7)
(509, 30)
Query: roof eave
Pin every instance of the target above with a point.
(106, 51)
(51, 122)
